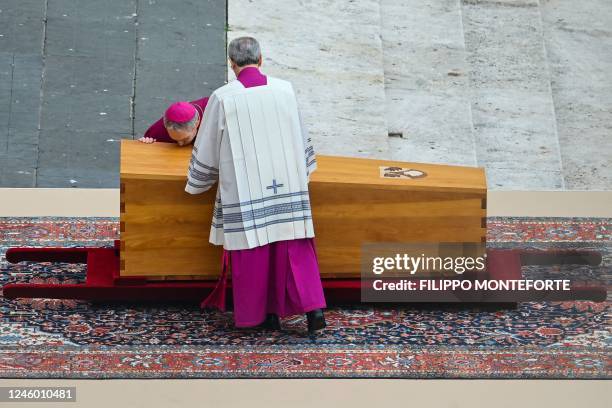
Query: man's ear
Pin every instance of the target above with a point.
(260, 61)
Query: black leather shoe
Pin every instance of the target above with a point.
(316, 320)
(272, 322)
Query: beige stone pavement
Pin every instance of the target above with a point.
(24, 202)
(296, 393)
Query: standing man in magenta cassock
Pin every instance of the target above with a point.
(252, 141)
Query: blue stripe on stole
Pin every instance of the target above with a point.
(204, 166)
(218, 212)
(201, 173)
(264, 212)
(261, 200)
(199, 185)
(205, 178)
(250, 227)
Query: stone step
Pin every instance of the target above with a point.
(332, 53)
(427, 100)
(512, 107)
(579, 43)
(505, 84)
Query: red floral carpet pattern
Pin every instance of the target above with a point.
(48, 338)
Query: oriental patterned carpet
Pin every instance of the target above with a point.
(44, 338)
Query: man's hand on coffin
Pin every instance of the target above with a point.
(147, 140)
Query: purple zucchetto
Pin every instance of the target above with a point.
(180, 112)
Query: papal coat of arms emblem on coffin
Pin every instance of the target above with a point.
(401, 172)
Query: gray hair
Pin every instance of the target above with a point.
(244, 51)
(190, 124)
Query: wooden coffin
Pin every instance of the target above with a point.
(164, 230)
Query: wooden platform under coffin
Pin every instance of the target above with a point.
(164, 230)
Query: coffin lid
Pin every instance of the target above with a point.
(167, 161)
